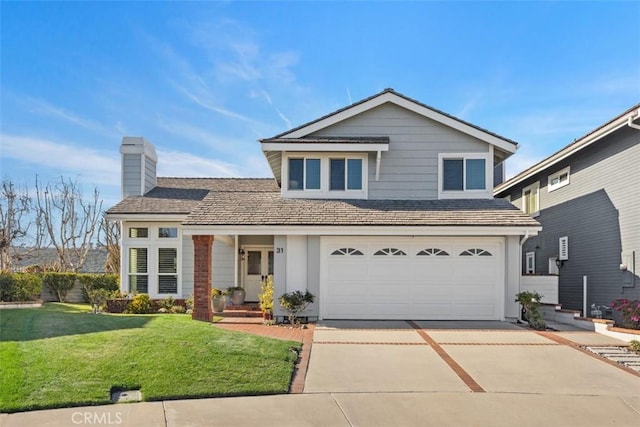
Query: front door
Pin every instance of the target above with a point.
(258, 264)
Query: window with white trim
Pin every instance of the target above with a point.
(167, 270)
(138, 232)
(531, 198)
(558, 179)
(530, 263)
(325, 175)
(464, 175)
(390, 252)
(347, 252)
(138, 270)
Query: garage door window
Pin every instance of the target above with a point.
(475, 252)
(432, 251)
(346, 252)
(390, 252)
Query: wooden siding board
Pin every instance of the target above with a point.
(131, 174)
(409, 168)
(187, 266)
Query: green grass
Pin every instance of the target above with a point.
(62, 355)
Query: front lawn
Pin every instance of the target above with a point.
(63, 355)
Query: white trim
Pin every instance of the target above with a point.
(322, 146)
(409, 105)
(563, 248)
(147, 217)
(530, 256)
(487, 193)
(262, 230)
(535, 186)
(552, 187)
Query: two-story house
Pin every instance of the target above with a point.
(383, 210)
(587, 198)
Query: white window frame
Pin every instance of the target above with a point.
(304, 173)
(530, 263)
(533, 188)
(153, 243)
(486, 193)
(324, 192)
(557, 175)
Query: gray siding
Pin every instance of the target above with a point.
(409, 170)
(149, 174)
(600, 213)
(131, 174)
(223, 262)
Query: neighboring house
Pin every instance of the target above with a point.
(46, 257)
(587, 198)
(383, 210)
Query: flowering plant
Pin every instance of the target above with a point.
(630, 311)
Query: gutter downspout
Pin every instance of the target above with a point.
(630, 122)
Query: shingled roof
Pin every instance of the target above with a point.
(258, 202)
(240, 208)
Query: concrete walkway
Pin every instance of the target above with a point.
(408, 374)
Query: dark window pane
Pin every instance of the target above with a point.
(475, 174)
(354, 178)
(168, 232)
(254, 262)
(313, 174)
(139, 284)
(138, 232)
(167, 284)
(336, 174)
(270, 263)
(137, 260)
(167, 260)
(296, 174)
(452, 174)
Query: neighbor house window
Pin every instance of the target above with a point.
(530, 199)
(167, 270)
(304, 174)
(559, 179)
(138, 270)
(345, 174)
(138, 232)
(530, 263)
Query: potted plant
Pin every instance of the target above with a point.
(266, 298)
(236, 295)
(295, 302)
(218, 300)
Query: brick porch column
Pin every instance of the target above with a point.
(202, 256)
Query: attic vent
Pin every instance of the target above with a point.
(563, 250)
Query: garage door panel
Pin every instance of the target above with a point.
(432, 281)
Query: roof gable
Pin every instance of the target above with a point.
(389, 95)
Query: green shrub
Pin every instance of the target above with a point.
(60, 283)
(295, 302)
(530, 302)
(89, 282)
(97, 298)
(140, 304)
(634, 345)
(20, 287)
(178, 309)
(167, 303)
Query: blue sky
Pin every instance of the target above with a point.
(204, 81)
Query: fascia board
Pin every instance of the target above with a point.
(147, 217)
(362, 231)
(325, 146)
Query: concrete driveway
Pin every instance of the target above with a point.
(443, 370)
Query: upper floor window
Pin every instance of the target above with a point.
(325, 175)
(558, 179)
(167, 232)
(345, 174)
(464, 173)
(531, 199)
(304, 174)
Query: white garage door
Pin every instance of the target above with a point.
(411, 278)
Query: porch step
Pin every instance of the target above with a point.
(244, 310)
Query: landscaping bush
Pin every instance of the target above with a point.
(140, 304)
(90, 282)
(59, 283)
(295, 302)
(97, 298)
(16, 287)
(630, 311)
(530, 302)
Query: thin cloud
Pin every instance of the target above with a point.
(179, 163)
(94, 166)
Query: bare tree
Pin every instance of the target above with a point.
(67, 220)
(15, 207)
(110, 240)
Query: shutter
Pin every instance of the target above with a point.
(563, 251)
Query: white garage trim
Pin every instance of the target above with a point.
(418, 278)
